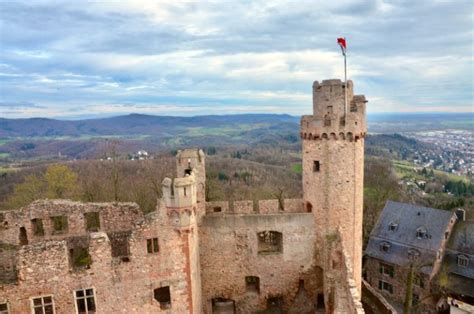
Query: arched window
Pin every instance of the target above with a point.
(309, 207)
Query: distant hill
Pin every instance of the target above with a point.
(165, 126)
(135, 124)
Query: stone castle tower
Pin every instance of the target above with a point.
(180, 198)
(333, 169)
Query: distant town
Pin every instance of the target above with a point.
(448, 150)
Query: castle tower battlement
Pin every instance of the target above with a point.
(330, 120)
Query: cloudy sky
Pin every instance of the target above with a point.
(76, 58)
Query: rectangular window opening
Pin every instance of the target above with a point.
(383, 285)
(80, 258)
(119, 244)
(60, 224)
(252, 284)
(386, 269)
(316, 166)
(152, 245)
(3, 308)
(85, 301)
(43, 305)
(270, 242)
(37, 224)
(92, 221)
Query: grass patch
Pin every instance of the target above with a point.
(405, 169)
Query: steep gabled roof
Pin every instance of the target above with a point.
(410, 218)
(407, 219)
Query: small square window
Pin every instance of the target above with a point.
(316, 166)
(43, 305)
(85, 301)
(152, 245)
(252, 284)
(59, 224)
(270, 242)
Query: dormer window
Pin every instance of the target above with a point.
(463, 260)
(421, 233)
(385, 246)
(393, 226)
(413, 254)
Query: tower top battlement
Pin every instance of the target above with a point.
(330, 118)
(180, 192)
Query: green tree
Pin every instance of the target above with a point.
(60, 180)
(32, 188)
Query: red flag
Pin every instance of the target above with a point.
(342, 42)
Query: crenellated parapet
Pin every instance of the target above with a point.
(180, 200)
(330, 119)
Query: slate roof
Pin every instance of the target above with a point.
(461, 279)
(408, 219)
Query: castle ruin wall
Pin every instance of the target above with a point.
(230, 252)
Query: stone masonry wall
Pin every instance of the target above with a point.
(45, 269)
(113, 217)
(229, 253)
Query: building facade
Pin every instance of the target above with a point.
(435, 245)
(193, 256)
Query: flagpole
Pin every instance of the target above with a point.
(342, 43)
(345, 86)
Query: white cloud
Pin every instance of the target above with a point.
(245, 56)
